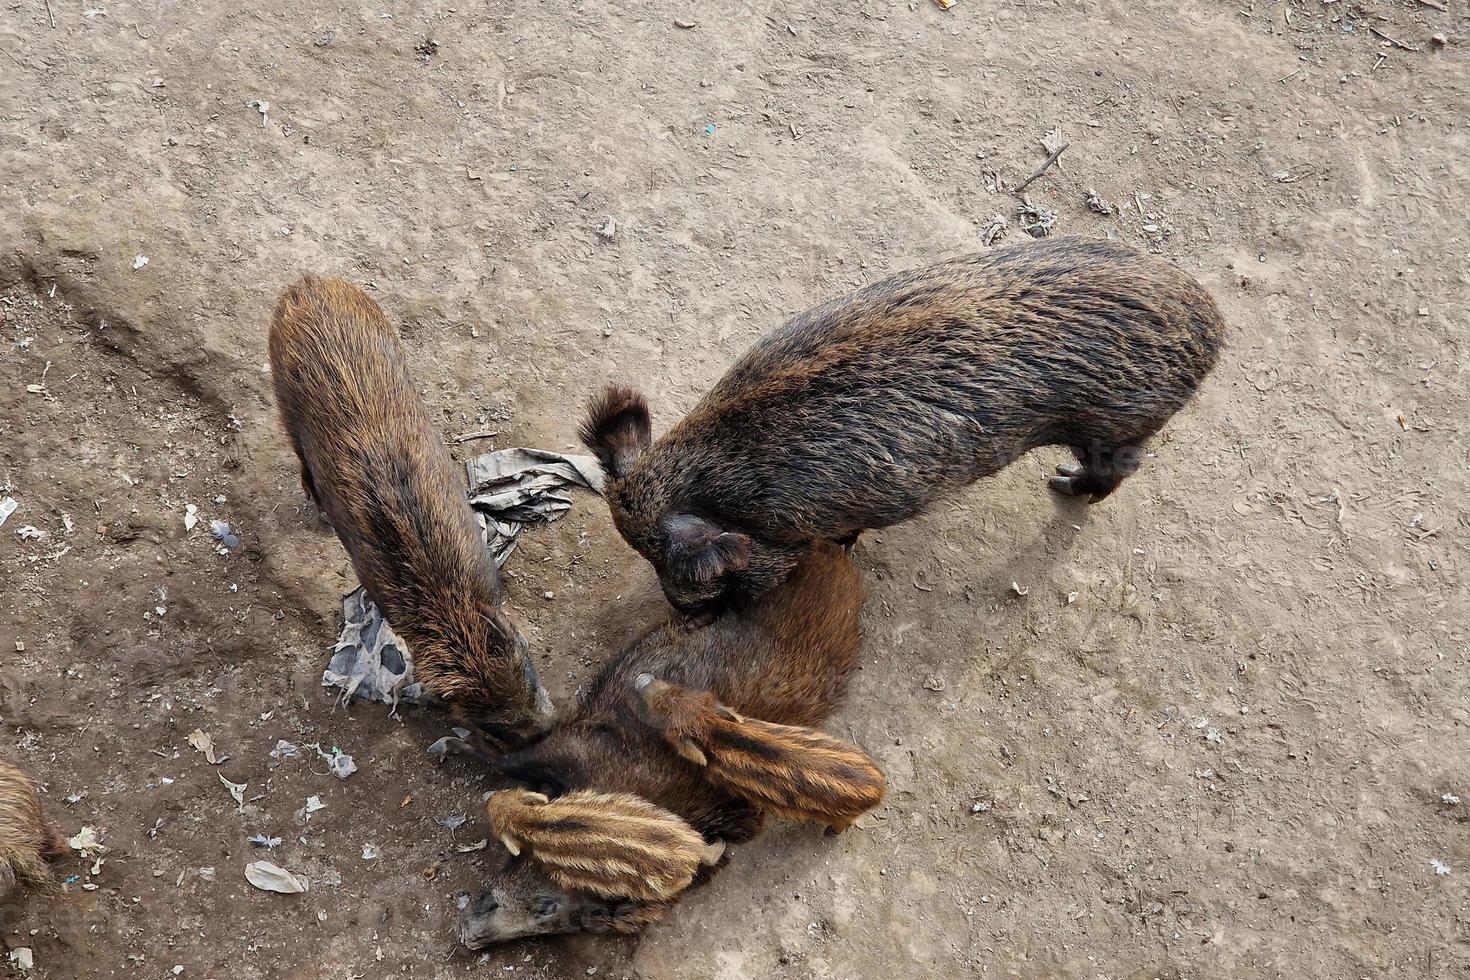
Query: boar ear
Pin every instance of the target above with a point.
(702, 551)
(617, 430)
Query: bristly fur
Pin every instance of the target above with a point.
(865, 411)
(702, 552)
(612, 844)
(786, 659)
(790, 770)
(26, 842)
(617, 429)
(373, 462)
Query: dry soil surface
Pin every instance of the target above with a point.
(1212, 727)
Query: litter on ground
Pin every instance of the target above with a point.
(205, 743)
(509, 489)
(272, 878)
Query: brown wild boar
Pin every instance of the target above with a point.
(376, 467)
(863, 412)
(618, 793)
(26, 842)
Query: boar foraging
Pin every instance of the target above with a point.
(863, 412)
(375, 466)
(796, 772)
(26, 842)
(617, 790)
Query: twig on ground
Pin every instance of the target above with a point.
(1043, 169)
(1393, 40)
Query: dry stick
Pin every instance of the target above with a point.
(1044, 168)
(1393, 40)
(1433, 3)
(50, 16)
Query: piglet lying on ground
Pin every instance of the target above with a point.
(682, 745)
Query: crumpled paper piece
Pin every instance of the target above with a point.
(204, 742)
(509, 489)
(90, 847)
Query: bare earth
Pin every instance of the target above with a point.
(1203, 729)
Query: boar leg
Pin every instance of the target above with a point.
(1100, 471)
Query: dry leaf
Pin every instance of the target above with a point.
(204, 743)
(268, 877)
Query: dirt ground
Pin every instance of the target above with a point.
(1213, 727)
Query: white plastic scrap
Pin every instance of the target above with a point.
(263, 107)
(271, 878)
(1449, 799)
(30, 533)
(369, 659)
(284, 750)
(237, 791)
(22, 958)
(191, 516)
(7, 507)
(1440, 868)
(261, 840)
(452, 821)
(223, 534)
(313, 804)
(86, 843)
(339, 763)
(90, 847)
(370, 852)
(139, 261)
